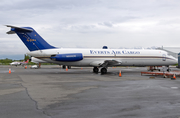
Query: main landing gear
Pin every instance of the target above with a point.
(95, 69)
(103, 70)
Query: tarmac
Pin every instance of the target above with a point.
(51, 92)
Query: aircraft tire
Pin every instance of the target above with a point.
(103, 70)
(95, 70)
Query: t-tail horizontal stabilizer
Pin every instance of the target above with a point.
(30, 38)
(12, 31)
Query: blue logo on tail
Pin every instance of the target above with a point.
(30, 38)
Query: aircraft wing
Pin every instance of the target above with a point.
(113, 62)
(106, 63)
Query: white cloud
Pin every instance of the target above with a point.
(93, 23)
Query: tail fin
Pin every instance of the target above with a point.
(27, 61)
(30, 38)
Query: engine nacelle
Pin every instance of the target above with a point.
(67, 57)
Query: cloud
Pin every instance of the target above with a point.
(92, 23)
(108, 24)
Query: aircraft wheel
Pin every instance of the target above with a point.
(95, 69)
(103, 70)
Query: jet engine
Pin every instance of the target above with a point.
(67, 57)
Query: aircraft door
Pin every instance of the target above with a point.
(164, 57)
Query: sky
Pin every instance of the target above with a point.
(91, 23)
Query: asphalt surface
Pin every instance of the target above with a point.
(51, 92)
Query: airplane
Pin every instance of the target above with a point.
(19, 63)
(96, 58)
(24, 62)
(15, 63)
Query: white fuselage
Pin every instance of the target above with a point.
(125, 57)
(15, 63)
